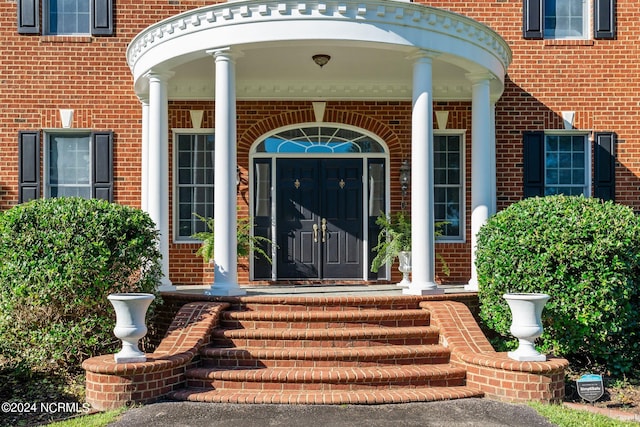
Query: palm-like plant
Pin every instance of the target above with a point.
(395, 237)
(246, 241)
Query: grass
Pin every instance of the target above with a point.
(566, 417)
(94, 420)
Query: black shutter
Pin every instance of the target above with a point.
(28, 165)
(604, 19)
(604, 165)
(532, 19)
(29, 16)
(102, 148)
(102, 17)
(533, 166)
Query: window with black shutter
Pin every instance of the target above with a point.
(76, 164)
(70, 17)
(558, 163)
(568, 19)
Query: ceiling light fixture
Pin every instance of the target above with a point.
(321, 59)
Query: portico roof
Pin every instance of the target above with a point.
(371, 44)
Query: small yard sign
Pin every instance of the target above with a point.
(590, 387)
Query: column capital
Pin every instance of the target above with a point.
(159, 75)
(422, 54)
(225, 53)
(480, 77)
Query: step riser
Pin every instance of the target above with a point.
(275, 386)
(282, 308)
(232, 364)
(251, 324)
(257, 343)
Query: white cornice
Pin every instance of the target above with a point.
(254, 90)
(377, 21)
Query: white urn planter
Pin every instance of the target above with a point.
(526, 311)
(404, 257)
(131, 310)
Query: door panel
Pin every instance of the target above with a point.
(296, 213)
(342, 210)
(319, 218)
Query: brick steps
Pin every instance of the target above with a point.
(298, 350)
(318, 357)
(325, 319)
(327, 379)
(334, 337)
(360, 397)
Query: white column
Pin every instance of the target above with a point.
(157, 198)
(482, 167)
(225, 196)
(422, 215)
(494, 189)
(144, 155)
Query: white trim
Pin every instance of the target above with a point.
(46, 155)
(463, 166)
(383, 24)
(176, 239)
(588, 155)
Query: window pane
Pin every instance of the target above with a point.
(69, 165)
(376, 189)
(319, 139)
(68, 17)
(565, 18)
(195, 175)
(565, 160)
(448, 192)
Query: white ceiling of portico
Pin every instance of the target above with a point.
(287, 71)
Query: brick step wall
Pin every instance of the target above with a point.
(339, 353)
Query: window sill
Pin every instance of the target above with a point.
(66, 39)
(557, 42)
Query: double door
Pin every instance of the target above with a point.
(319, 218)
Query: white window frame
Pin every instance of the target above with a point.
(460, 238)
(587, 13)
(175, 201)
(587, 160)
(48, 134)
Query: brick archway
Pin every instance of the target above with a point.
(332, 115)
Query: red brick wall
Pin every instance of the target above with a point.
(598, 79)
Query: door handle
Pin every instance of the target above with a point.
(324, 230)
(315, 233)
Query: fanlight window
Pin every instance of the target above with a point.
(319, 139)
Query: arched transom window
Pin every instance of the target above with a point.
(319, 139)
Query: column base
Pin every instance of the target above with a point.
(422, 289)
(225, 290)
(472, 286)
(166, 285)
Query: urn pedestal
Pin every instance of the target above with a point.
(404, 259)
(526, 310)
(131, 310)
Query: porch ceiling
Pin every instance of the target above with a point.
(371, 44)
(287, 71)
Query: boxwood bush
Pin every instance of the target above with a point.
(59, 259)
(585, 254)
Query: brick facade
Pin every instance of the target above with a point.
(595, 78)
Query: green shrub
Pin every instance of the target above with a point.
(585, 254)
(59, 259)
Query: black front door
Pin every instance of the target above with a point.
(319, 218)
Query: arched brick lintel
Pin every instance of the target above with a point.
(332, 115)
